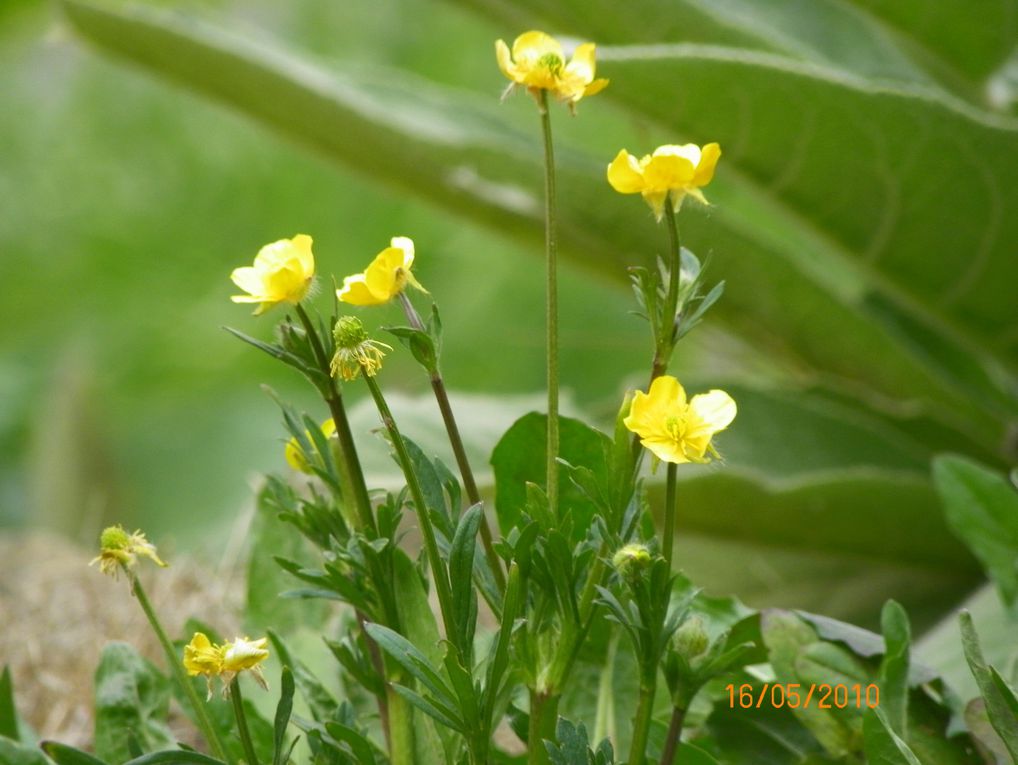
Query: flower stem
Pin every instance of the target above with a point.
(670, 512)
(551, 257)
(200, 712)
(438, 569)
(242, 729)
(458, 450)
(353, 473)
(674, 736)
(641, 726)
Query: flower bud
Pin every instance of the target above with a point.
(631, 560)
(691, 639)
(355, 351)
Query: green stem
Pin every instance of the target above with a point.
(438, 569)
(551, 257)
(541, 726)
(242, 729)
(353, 473)
(670, 512)
(177, 669)
(674, 736)
(458, 450)
(641, 727)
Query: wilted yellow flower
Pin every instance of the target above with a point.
(538, 63)
(202, 657)
(295, 455)
(282, 273)
(355, 350)
(675, 170)
(244, 653)
(385, 278)
(119, 549)
(677, 430)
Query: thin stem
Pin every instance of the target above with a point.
(376, 661)
(348, 450)
(438, 570)
(641, 727)
(674, 736)
(242, 729)
(458, 450)
(551, 257)
(200, 713)
(670, 511)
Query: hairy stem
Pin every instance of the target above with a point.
(543, 719)
(458, 450)
(670, 511)
(551, 258)
(242, 729)
(177, 669)
(641, 727)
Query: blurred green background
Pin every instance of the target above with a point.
(862, 219)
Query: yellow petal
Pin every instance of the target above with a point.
(248, 279)
(715, 409)
(505, 62)
(705, 167)
(355, 291)
(656, 200)
(666, 450)
(595, 87)
(624, 174)
(582, 64)
(531, 46)
(668, 393)
(668, 171)
(302, 250)
(243, 653)
(406, 244)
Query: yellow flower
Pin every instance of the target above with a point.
(675, 170)
(385, 278)
(355, 350)
(244, 653)
(118, 549)
(295, 455)
(538, 63)
(202, 657)
(677, 430)
(282, 273)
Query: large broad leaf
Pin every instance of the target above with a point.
(802, 267)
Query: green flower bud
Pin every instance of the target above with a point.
(691, 639)
(631, 560)
(349, 332)
(114, 538)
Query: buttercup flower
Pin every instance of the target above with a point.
(355, 350)
(674, 170)
(202, 657)
(538, 63)
(385, 278)
(119, 549)
(677, 430)
(295, 455)
(282, 273)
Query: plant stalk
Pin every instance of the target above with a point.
(354, 474)
(674, 736)
(438, 569)
(551, 258)
(671, 510)
(541, 727)
(458, 450)
(176, 668)
(242, 729)
(641, 726)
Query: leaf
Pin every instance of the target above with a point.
(320, 701)
(883, 746)
(520, 457)
(461, 569)
(174, 757)
(894, 669)
(8, 711)
(16, 753)
(998, 708)
(413, 661)
(282, 719)
(981, 507)
(131, 699)
(68, 755)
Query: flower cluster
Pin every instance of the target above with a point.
(118, 549)
(226, 661)
(675, 429)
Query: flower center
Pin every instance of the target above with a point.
(552, 62)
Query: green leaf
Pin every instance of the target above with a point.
(16, 753)
(68, 755)
(8, 711)
(519, 458)
(981, 507)
(894, 668)
(320, 701)
(132, 698)
(174, 757)
(883, 746)
(413, 661)
(461, 569)
(283, 710)
(998, 707)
